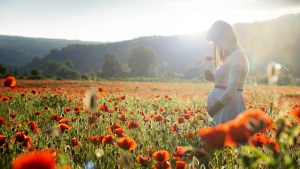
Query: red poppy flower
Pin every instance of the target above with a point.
(5, 99)
(67, 110)
(180, 152)
(190, 134)
(126, 143)
(179, 165)
(258, 140)
(186, 116)
(123, 117)
(180, 120)
(37, 113)
(122, 97)
(2, 140)
(27, 120)
(64, 120)
(142, 160)
(75, 142)
(237, 134)
(34, 92)
(64, 127)
(113, 127)
(13, 115)
(273, 145)
(104, 108)
(161, 109)
(100, 90)
(255, 120)
(295, 111)
(56, 117)
(76, 108)
(162, 165)
(161, 155)
(133, 125)
(119, 132)
(28, 143)
(174, 128)
(33, 126)
(19, 137)
(35, 160)
(116, 108)
(96, 139)
(9, 81)
(158, 118)
(179, 135)
(1, 121)
(146, 119)
(213, 137)
(108, 139)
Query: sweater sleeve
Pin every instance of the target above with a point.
(235, 71)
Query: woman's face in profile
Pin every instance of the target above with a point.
(220, 43)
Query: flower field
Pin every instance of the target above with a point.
(83, 124)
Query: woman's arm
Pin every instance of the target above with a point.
(215, 108)
(235, 71)
(236, 67)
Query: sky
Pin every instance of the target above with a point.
(118, 20)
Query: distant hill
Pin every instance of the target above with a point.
(274, 40)
(17, 50)
(173, 53)
(13, 57)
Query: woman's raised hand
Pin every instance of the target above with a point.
(209, 76)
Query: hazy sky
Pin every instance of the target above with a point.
(116, 20)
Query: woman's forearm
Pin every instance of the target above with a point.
(215, 108)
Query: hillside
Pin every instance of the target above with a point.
(13, 57)
(16, 50)
(173, 53)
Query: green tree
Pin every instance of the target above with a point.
(3, 70)
(65, 72)
(142, 62)
(112, 66)
(69, 64)
(50, 68)
(34, 72)
(195, 71)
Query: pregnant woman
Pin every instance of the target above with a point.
(225, 101)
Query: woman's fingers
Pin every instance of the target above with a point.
(208, 75)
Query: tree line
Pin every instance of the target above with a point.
(141, 63)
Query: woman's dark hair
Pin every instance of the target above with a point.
(221, 30)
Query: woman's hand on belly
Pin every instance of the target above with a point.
(215, 108)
